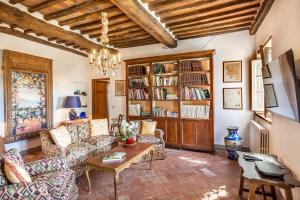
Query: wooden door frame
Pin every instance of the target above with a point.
(104, 80)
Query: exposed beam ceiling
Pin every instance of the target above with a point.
(265, 7)
(137, 13)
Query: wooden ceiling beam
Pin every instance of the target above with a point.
(15, 1)
(43, 5)
(38, 40)
(128, 24)
(199, 32)
(113, 11)
(206, 34)
(221, 18)
(90, 6)
(136, 12)
(215, 25)
(204, 11)
(263, 11)
(130, 39)
(97, 23)
(137, 44)
(136, 41)
(128, 35)
(248, 8)
(119, 32)
(26, 21)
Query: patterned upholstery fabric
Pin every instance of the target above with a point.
(52, 180)
(83, 131)
(46, 165)
(76, 153)
(60, 184)
(133, 126)
(3, 179)
(13, 154)
(35, 190)
(72, 129)
(61, 136)
(149, 139)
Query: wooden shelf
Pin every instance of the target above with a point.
(146, 87)
(138, 76)
(195, 133)
(139, 99)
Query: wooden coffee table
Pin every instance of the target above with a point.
(133, 155)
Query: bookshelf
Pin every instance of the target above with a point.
(177, 92)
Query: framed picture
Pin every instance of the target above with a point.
(232, 98)
(265, 71)
(270, 96)
(232, 71)
(120, 88)
(28, 95)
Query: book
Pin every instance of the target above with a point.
(115, 156)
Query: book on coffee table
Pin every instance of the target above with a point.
(115, 156)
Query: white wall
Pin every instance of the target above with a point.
(282, 23)
(67, 69)
(233, 46)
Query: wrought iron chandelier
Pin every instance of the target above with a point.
(103, 61)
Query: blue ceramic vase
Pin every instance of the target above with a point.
(233, 142)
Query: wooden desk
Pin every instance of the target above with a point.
(133, 155)
(257, 181)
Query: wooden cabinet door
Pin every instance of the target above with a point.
(188, 129)
(171, 131)
(203, 135)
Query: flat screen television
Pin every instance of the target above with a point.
(282, 87)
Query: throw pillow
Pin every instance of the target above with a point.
(148, 127)
(99, 127)
(14, 172)
(61, 136)
(133, 126)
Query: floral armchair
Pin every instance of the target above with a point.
(51, 179)
(157, 139)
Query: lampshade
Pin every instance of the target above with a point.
(72, 102)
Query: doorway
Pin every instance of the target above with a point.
(99, 98)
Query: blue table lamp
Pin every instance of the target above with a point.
(72, 102)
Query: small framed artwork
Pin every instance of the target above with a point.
(265, 71)
(270, 96)
(232, 98)
(232, 71)
(120, 88)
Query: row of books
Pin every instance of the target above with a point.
(190, 66)
(161, 112)
(195, 111)
(138, 82)
(137, 70)
(138, 94)
(194, 94)
(162, 94)
(134, 109)
(165, 81)
(194, 79)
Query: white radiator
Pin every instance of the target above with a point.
(259, 138)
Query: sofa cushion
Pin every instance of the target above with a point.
(72, 129)
(101, 141)
(14, 172)
(78, 152)
(149, 139)
(99, 127)
(61, 136)
(148, 127)
(59, 183)
(83, 131)
(13, 154)
(133, 126)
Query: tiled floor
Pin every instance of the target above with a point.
(184, 175)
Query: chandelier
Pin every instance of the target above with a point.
(103, 61)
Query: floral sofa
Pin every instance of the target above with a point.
(83, 146)
(156, 139)
(51, 179)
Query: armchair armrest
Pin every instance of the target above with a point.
(34, 190)
(46, 165)
(160, 134)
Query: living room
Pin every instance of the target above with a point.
(180, 126)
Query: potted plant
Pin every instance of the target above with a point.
(126, 137)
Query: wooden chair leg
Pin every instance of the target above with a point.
(288, 194)
(251, 195)
(263, 192)
(273, 192)
(242, 180)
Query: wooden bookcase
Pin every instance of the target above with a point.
(194, 74)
